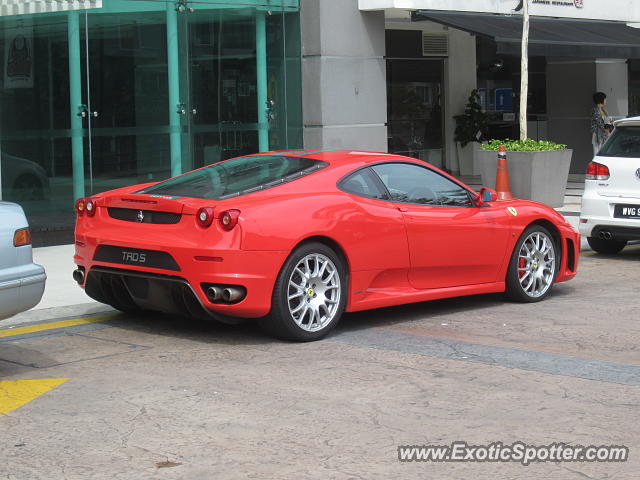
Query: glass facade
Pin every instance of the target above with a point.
(140, 90)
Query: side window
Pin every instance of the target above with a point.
(415, 184)
(365, 184)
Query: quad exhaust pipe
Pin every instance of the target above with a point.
(214, 293)
(605, 235)
(226, 294)
(232, 294)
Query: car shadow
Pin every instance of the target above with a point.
(250, 333)
(193, 329)
(390, 316)
(631, 253)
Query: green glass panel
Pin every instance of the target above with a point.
(35, 117)
(139, 91)
(126, 93)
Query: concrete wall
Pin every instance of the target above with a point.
(570, 87)
(612, 78)
(459, 75)
(343, 76)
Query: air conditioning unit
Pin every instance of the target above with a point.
(435, 44)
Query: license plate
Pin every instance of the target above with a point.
(136, 256)
(627, 211)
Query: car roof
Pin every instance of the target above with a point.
(631, 121)
(340, 156)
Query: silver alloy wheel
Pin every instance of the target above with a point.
(536, 264)
(313, 294)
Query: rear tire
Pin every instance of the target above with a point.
(533, 267)
(309, 295)
(601, 245)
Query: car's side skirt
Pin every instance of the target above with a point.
(388, 297)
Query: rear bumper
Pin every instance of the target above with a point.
(23, 291)
(597, 214)
(618, 232)
(182, 291)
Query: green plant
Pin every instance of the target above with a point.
(471, 126)
(527, 145)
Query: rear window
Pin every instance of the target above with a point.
(238, 176)
(624, 142)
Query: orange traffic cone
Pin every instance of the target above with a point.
(502, 176)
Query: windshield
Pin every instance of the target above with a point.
(624, 142)
(237, 176)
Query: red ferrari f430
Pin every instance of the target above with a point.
(296, 238)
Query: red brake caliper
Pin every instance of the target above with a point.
(522, 263)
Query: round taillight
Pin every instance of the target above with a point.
(204, 217)
(90, 208)
(229, 219)
(80, 206)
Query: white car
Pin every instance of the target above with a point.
(610, 214)
(21, 281)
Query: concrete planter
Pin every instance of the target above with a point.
(467, 158)
(538, 176)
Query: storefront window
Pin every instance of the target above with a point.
(137, 91)
(499, 90)
(414, 98)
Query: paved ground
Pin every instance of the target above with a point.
(163, 397)
(90, 393)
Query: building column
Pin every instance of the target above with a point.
(344, 84)
(261, 81)
(75, 102)
(173, 72)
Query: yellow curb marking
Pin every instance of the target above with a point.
(16, 393)
(10, 332)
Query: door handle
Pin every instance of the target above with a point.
(402, 209)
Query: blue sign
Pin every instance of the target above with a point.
(504, 99)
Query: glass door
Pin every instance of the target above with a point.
(123, 108)
(166, 87)
(240, 79)
(225, 88)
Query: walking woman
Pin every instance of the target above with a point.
(600, 128)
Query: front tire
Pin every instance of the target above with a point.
(533, 266)
(309, 295)
(610, 247)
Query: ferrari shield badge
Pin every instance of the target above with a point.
(512, 211)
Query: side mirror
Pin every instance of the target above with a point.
(486, 196)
